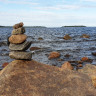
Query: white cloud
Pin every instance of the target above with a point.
(19, 2)
(89, 0)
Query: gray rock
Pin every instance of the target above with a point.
(20, 47)
(19, 55)
(20, 30)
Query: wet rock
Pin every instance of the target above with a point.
(67, 55)
(20, 47)
(53, 55)
(28, 78)
(2, 43)
(18, 31)
(94, 53)
(34, 48)
(85, 36)
(40, 38)
(67, 65)
(20, 55)
(60, 60)
(17, 39)
(84, 58)
(72, 61)
(16, 26)
(4, 50)
(67, 37)
(5, 64)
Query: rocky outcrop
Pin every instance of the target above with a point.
(90, 70)
(30, 78)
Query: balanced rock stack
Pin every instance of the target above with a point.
(18, 43)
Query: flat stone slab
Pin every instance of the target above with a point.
(20, 47)
(31, 78)
(17, 39)
(19, 55)
(18, 31)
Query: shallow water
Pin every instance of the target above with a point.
(53, 41)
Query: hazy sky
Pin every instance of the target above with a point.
(50, 13)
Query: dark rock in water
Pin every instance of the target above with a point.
(17, 39)
(31, 78)
(16, 26)
(4, 50)
(40, 38)
(34, 48)
(18, 31)
(67, 55)
(3, 43)
(20, 55)
(94, 53)
(20, 47)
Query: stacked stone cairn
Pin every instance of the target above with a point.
(18, 43)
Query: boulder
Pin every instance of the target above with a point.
(16, 26)
(53, 55)
(20, 47)
(17, 39)
(34, 48)
(67, 37)
(31, 78)
(20, 30)
(20, 55)
(85, 36)
(66, 65)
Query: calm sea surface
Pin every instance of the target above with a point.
(53, 41)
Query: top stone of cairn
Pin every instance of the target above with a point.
(16, 26)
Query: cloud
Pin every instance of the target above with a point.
(89, 0)
(59, 7)
(29, 2)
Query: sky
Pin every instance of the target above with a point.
(49, 13)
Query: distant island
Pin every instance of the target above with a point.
(75, 26)
(2, 26)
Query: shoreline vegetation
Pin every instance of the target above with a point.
(75, 26)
